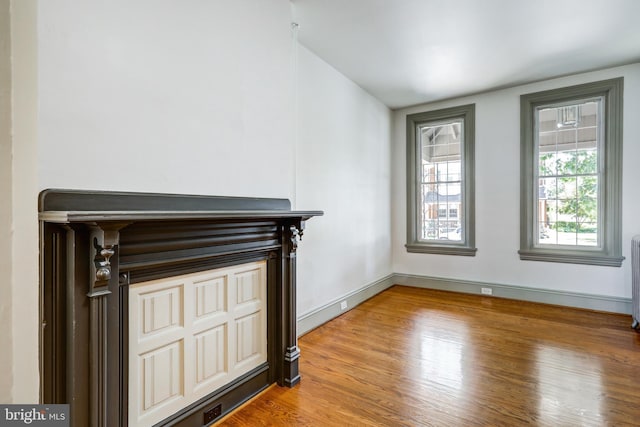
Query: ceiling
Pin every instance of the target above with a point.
(407, 52)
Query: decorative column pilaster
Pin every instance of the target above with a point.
(290, 373)
(104, 239)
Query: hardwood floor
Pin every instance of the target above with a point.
(417, 357)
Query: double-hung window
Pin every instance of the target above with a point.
(440, 191)
(571, 160)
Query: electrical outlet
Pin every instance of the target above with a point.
(487, 291)
(343, 305)
(212, 414)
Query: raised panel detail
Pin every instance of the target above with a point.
(196, 333)
(211, 354)
(248, 337)
(162, 375)
(247, 286)
(161, 309)
(211, 296)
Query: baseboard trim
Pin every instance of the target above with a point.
(546, 296)
(314, 318)
(321, 315)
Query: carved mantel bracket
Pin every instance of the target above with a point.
(295, 234)
(104, 239)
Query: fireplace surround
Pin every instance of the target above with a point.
(95, 245)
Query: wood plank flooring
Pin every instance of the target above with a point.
(418, 357)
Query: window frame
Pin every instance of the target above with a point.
(609, 253)
(465, 247)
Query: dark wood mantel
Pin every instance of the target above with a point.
(95, 244)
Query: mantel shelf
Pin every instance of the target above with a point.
(66, 217)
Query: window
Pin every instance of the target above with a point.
(440, 192)
(571, 160)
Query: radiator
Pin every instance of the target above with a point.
(635, 280)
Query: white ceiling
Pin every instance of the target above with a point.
(407, 52)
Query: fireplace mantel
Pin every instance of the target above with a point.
(95, 244)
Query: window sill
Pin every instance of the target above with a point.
(571, 257)
(425, 248)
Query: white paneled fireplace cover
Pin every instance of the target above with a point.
(191, 334)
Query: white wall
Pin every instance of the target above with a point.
(498, 196)
(23, 204)
(148, 95)
(166, 96)
(6, 375)
(343, 167)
